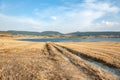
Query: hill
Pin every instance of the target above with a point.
(51, 33)
(34, 33)
(68, 35)
(23, 32)
(93, 33)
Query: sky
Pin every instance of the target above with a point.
(60, 15)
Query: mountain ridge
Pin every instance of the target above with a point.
(56, 33)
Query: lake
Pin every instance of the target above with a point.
(73, 40)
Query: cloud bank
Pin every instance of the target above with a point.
(88, 16)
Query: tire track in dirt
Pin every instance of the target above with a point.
(110, 59)
(102, 49)
(85, 56)
(84, 66)
(63, 64)
(98, 63)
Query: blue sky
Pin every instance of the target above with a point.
(60, 15)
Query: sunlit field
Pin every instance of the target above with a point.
(59, 61)
(59, 39)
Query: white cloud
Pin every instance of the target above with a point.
(105, 7)
(53, 17)
(108, 24)
(89, 1)
(20, 23)
(79, 17)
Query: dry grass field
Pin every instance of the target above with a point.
(106, 52)
(59, 61)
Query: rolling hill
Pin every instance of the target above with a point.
(73, 34)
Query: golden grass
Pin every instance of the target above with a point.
(108, 52)
(47, 61)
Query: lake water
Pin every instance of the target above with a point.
(73, 40)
